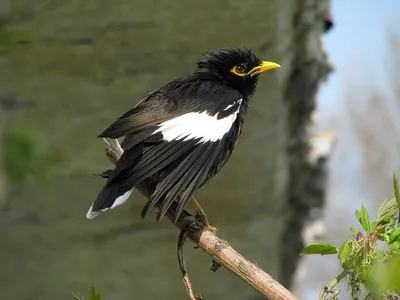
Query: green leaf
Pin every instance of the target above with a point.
(395, 247)
(396, 190)
(384, 277)
(390, 278)
(354, 231)
(92, 293)
(367, 223)
(394, 235)
(387, 211)
(363, 218)
(394, 240)
(358, 215)
(320, 248)
(345, 252)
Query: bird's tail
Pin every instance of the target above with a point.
(119, 184)
(112, 195)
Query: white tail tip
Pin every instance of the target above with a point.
(90, 214)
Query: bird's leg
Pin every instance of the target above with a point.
(193, 223)
(201, 215)
(188, 224)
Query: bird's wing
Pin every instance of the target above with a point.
(184, 178)
(163, 107)
(182, 135)
(137, 123)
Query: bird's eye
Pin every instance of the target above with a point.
(239, 70)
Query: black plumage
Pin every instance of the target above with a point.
(183, 132)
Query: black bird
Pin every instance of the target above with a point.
(183, 132)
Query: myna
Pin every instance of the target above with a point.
(183, 132)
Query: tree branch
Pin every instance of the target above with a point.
(219, 249)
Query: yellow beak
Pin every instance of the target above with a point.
(263, 67)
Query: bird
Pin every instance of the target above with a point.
(182, 133)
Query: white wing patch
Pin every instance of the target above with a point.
(197, 125)
(234, 103)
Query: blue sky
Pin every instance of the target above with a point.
(358, 48)
(357, 44)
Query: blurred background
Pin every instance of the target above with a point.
(360, 103)
(321, 137)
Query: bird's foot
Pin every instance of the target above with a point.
(205, 224)
(211, 228)
(201, 216)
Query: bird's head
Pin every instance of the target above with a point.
(238, 67)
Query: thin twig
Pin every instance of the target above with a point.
(189, 288)
(219, 249)
(328, 289)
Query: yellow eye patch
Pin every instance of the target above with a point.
(239, 70)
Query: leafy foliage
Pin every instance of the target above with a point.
(93, 295)
(385, 212)
(320, 248)
(363, 218)
(364, 261)
(396, 190)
